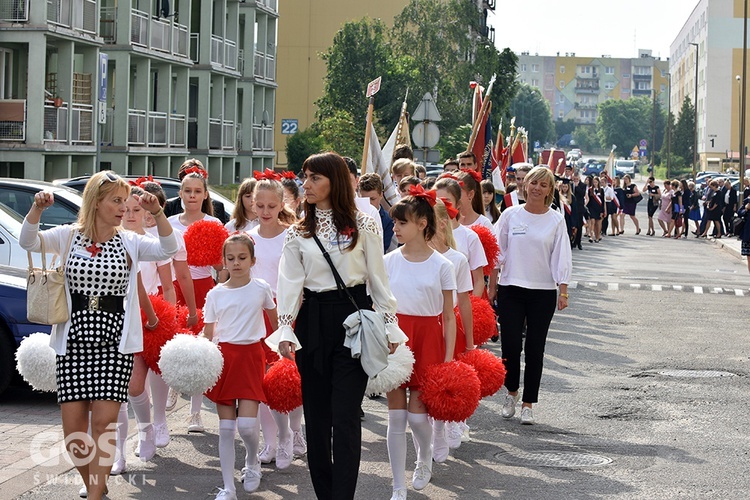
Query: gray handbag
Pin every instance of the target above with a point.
(46, 302)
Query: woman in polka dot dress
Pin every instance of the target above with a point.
(95, 347)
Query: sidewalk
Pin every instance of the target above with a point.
(729, 244)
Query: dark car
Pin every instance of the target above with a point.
(171, 189)
(14, 326)
(592, 169)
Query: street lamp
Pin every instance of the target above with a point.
(669, 124)
(695, 109)
(743, 96)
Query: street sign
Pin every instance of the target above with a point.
(103, 60)
(426, 111)
(289, 126)
(102, 106)
(425, 135)
(643, 143)
(373, 87)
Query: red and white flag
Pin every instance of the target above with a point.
(511, 199)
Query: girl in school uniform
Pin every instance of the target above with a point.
(233, 318)
(282, 433)
(423, 282)
(197, 202)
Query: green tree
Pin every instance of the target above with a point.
(587, 138)
(456, 142)
(338, 135)
(303, 144)
(564, 127)
(683, 137)
(624, 123)
(532, 112)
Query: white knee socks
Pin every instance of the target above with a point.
(142, 408)
(282, 424)
(196, 401)
(226, 453)
(422, 433)
(122, 432)
(248, 429)
(396, 440)
(159, 393)
(267, 425)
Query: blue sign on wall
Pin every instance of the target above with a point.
(289, 126)
(103, 60)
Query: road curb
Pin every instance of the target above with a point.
(729, 247)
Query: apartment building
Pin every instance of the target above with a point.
(187, 79)
(574, 86)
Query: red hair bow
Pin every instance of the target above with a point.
(476, 175)
(140, 181)
(452, 211)
(267, 174)
(419, 192)
(196, 170)
(450, 175)
(288, 174)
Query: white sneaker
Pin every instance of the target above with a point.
(527, 416)
(439, 447)
(465, 437)
(226, 495)
(267, 454)
(422, 476)
(453, 435)
(399, 494)
(251, 478)
(83, 492)
(118, 467)
(509, 405)
(161, 435)
(172, 398)
(146, 445)
(196, 423)
(299, 445)
(284, 455)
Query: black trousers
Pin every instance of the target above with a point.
(333, 385)
(536, 308)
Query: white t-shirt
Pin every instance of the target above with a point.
(462, 271)
(267, 257)
(149, 270)
(181, 255)
(232, 226)
(196, 272)
(467, 242)
(481, 221)
(418, 286)
(238, 312)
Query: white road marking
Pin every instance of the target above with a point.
(656, 288)
(698, 289)
(613, 286)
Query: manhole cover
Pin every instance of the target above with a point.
(696, 373)
(553, 459)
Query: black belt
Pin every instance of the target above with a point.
(106, 303)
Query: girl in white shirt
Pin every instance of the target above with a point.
(244, 217)
(281, 439)
(467, 241)
(233, 318)
(423, 282)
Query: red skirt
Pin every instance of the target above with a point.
(242, 374)
(460, 335)
(200, 286)
(426, 341)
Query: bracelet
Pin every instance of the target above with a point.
(38, 207)
(151, 327)
(158, 213)
(564, 295)
(192, 315)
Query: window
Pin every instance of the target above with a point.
(643, 70)
(535, 68)
(561, 115)
(561, 99)
(562, 84)
(626, 75)
(523, 68)
(535, 82)
(609, 70)
(643, 85)
(562, 70)
(663, 74)
(609, 86)
(663, 88)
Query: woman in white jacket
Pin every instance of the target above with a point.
(95, 346)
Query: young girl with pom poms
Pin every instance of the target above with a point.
(233, 317)
(198, 207)
(470, 204)
(423, 282)
(444, 243)
(282, 433)
(244, 217)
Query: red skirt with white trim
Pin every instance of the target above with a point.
(426, 341)
(242, 374)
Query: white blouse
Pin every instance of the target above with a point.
(302, 265)
(534, 249)
(418, 286)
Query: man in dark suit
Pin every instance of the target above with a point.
(729, 197)
(174, 205)
(579, 191)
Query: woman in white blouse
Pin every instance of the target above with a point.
(333, 383)
(535, 261)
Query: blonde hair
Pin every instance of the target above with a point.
(286, 216)
(444, 227)
(541, 173)
(99, 186)
(402, 166)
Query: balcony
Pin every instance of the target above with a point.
(137, 119)
(265, 66)
(221, 134)
(262, 137)
(157, 34)
(272, 5)
(641, 78)
(14, 11)
(153, 129)
(223, 52)
(82, 124)
(157, 128)
(177, 131)
(55, 122)
(588, 76)
(587, 88)
(13, 120)
(79, 15)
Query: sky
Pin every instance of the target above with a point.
(589, 28)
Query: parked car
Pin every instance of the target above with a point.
(623, 167)
(18, 195)
(593, 168)
(11, 253)
(170, 185)
(14, 326)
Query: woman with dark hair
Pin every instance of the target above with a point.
(333, 383)
(470, 205)
(597, 209)
(687, 202)
(632, 197)
(654, 195)
(488, 200)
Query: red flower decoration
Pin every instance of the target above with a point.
(476, 175)
(419, 192)
(140, 181)
(94, 249)
(452, 211)
(289, 175)
(196, 170)
(348, 231)
(268, 174)
(204, 241)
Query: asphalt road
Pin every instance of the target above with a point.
(621, 413)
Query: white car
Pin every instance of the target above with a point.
(11, 253)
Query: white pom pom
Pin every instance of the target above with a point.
(35, 360)
(400, 365)
(190, 364)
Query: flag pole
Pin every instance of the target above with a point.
(486, 103)
(366, 150)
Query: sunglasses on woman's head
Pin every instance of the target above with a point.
(108, 177)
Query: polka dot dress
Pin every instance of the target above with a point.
(93, 367)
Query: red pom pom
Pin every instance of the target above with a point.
(491, 248)
(450, 391)
(182, 316)
(485, 324)
(490, 370)
(204, 241)
(283, 386)
(154, 340)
